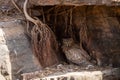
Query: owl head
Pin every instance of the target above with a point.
(67, 42)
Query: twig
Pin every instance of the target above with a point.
(16, 6)
(66, 10)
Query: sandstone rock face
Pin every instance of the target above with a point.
(107, 74)
(104, 29)
(2, 78)
(15, 50)
(63, 2)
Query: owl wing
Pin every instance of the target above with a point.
(84, 53)
(74, 55)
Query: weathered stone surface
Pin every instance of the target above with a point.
(106, 74)
(59, 2)
(103, 31)
(15, 49)
(2, 77)
(75, 2)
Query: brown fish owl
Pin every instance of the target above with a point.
(74, 53)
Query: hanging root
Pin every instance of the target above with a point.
(83, 32)
(16, 6)
(84, 38)
(45, 46)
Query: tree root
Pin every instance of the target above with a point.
(45, 46)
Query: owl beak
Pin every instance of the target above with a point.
(68, 45)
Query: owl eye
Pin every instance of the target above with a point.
(65, 40)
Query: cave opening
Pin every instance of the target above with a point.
(89, 26)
